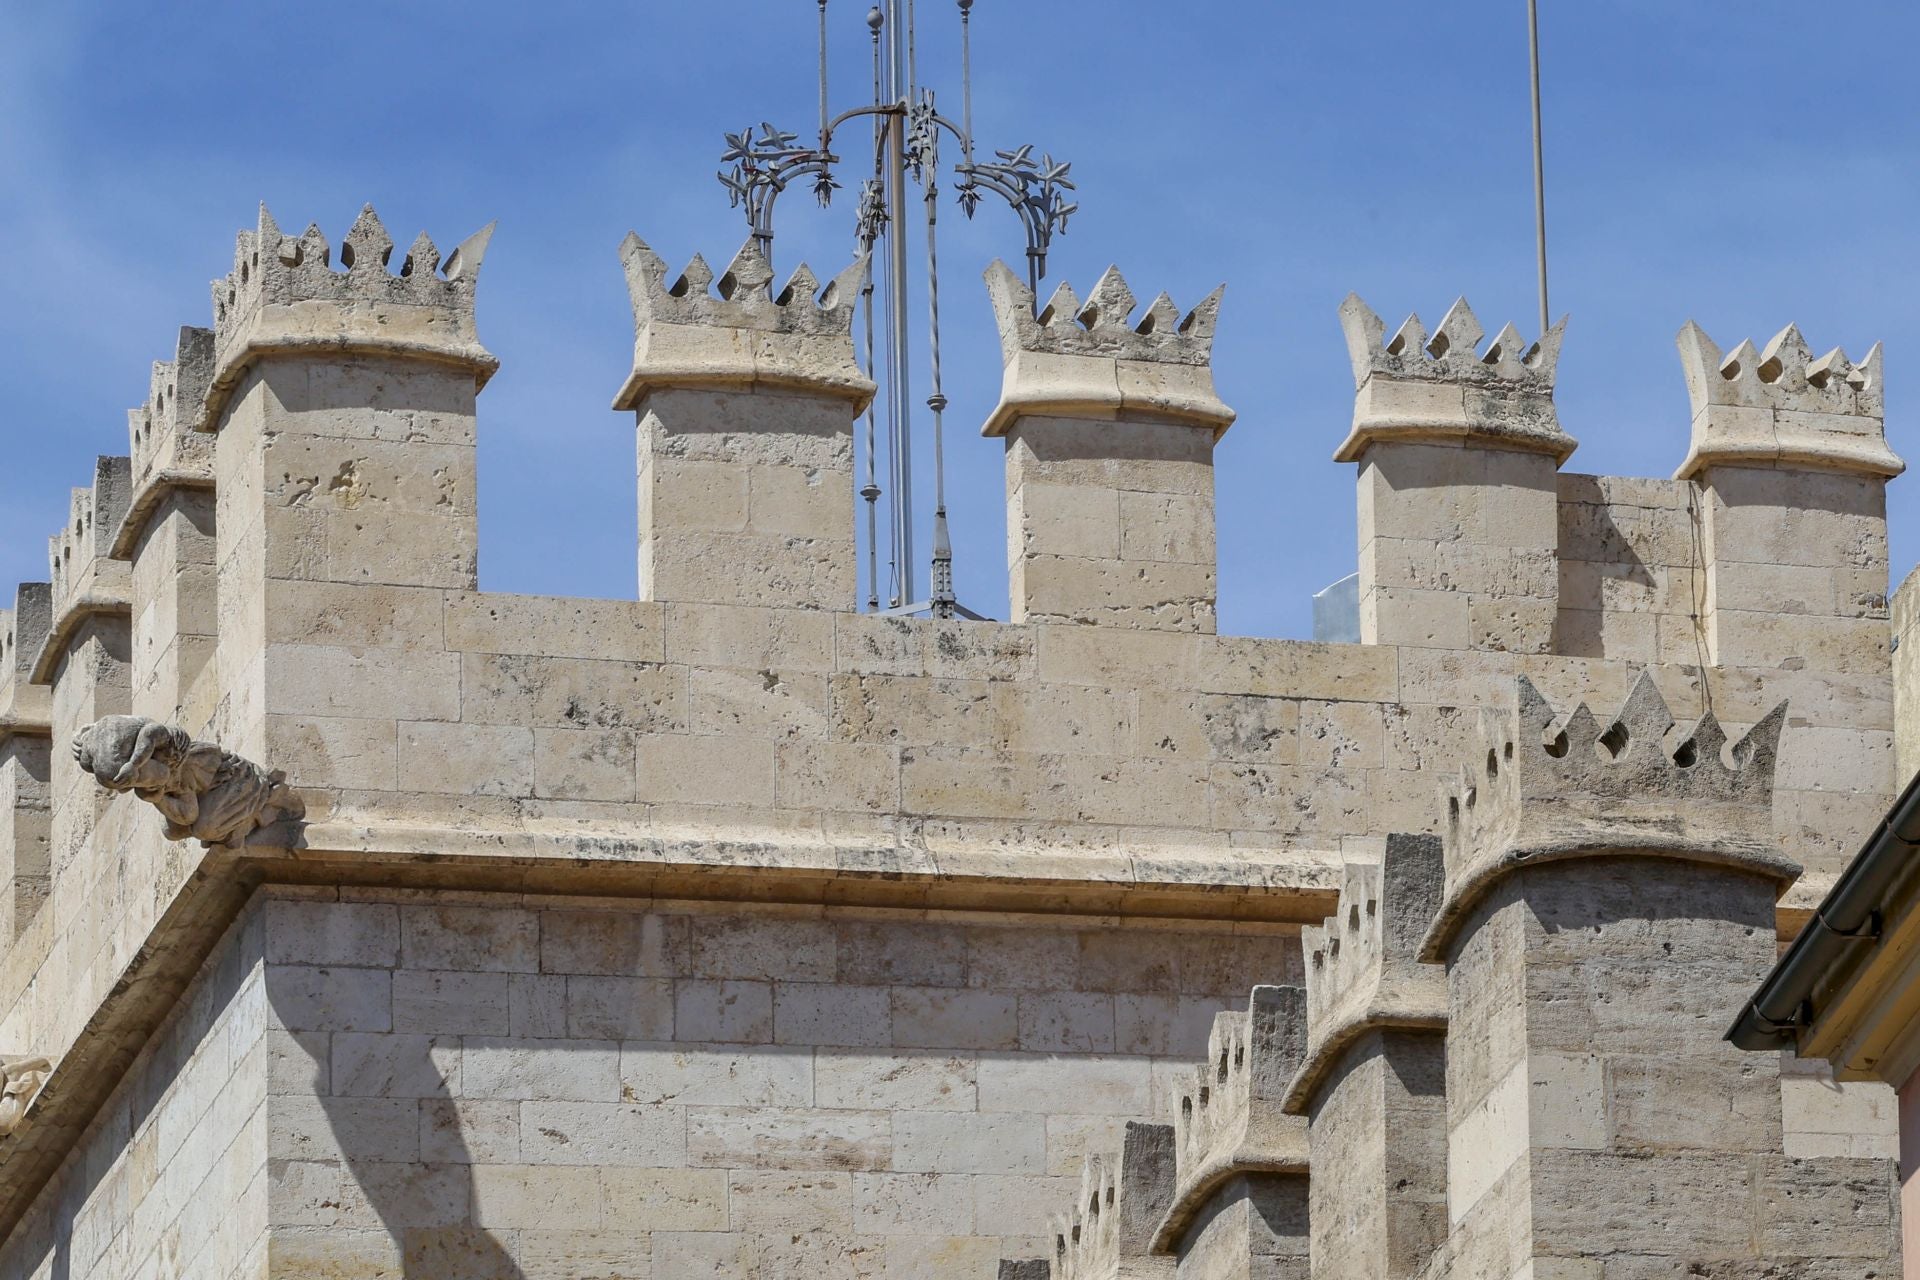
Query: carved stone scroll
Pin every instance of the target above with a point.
(24, 1077)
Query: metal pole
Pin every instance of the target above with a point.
(1539, 166)
(897, 276)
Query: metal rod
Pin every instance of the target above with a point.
(823, 75)
(966, 79)
(897, 280)
(870, 491)
(1539, 165)
(940, 576)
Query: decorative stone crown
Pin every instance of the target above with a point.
(1230, 1118)
(1781, 405)
(1077, 358)
(1121, 1202)
(168, 448)
(1363, 964)
(1532, 793)
(283, 295)
(1415, 387)
(748, 335)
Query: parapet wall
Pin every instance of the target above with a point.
(1106, 756)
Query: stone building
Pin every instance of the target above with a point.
(360, 923)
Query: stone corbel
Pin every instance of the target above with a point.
(202, 790)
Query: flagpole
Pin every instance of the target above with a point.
(1539, 168)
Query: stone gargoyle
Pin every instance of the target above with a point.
(202, 790)
(24, 1076)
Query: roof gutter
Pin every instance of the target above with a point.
(1843, 931)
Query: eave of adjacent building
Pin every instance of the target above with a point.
(1848, 988)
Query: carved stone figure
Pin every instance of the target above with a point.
(202, 790)
(24, 1076)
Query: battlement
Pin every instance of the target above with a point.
(746, 335)
(1532, 793)
(24, 706)
(86, 582)
(168, 449)
(1078, 359)
(1781, 406)
(1231, 1120)
(1413, 386)
(1363, 969)
(1108, 1231)
(284, 296)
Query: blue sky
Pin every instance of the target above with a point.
(1745, 166)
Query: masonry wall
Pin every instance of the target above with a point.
(1906, 678)
(171, 1178)
(562, 1089)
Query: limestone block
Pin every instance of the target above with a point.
(1906, 677)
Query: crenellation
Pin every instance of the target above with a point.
(86, 583)
(284, 297)
(1782, 407)
(800, 337)
(1230, 1121)
(1108, 1232)
(732, 929)
(1443, 388)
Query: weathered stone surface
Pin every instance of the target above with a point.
(735, 932)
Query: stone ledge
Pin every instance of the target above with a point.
(154, 489)
(1199, 1186)
(12, 726)
(76, 613)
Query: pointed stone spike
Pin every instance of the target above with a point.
(1536, 713)
(1459, 333)
(1410, 339)
(1506, 353)
(695, 281)
(1062, 307)
(636, 255)
(1110, 303)
(423, 258)
(1700, 360)
(1644, 716)
(1867, 372)
(1544, 358)
(1583, 733)
(1706, 741)
(268, 230)
(312, 249)
(747, 275)
(367, 246)
(1200, 321)
(1759, 750)
(801, 286)
(464, 262)
(1784, 361)
(1161, 316)
(1741, 365)
(845, 287)
(1364, 330)
(1832, 368)
(1007, 290)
